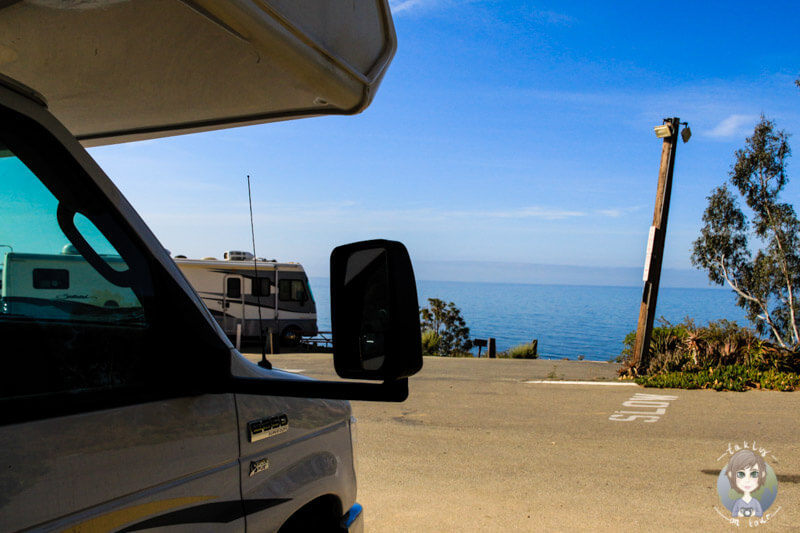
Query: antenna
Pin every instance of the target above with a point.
(263, 363)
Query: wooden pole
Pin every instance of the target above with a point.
(655, 250)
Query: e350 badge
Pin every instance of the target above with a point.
(264, 428)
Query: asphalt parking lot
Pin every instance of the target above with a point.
(499, 445)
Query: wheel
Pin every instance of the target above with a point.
(290, 336)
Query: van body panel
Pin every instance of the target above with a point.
(114, 467)
(312, 457)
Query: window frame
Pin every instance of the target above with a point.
(304, 285)
(234, 294)
(80, 186)
(264, 282)
(37, 280)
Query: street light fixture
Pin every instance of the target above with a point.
(686, 133)
(662, 131)
(665, 130)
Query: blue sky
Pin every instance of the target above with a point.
(504, 133)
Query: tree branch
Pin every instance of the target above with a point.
(784, 270)
(765, 317)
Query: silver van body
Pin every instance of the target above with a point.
(107, 422)
(126, 423)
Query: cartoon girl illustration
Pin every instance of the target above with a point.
(746, 473)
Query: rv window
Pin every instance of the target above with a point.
(262, 288)
(65, 327)
(292, 290)
(233, 288)
(44, 278)
(50, 278)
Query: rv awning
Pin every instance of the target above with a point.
(121, 70)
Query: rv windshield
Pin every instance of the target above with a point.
(43, 275)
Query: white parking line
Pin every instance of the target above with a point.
(293, 370)
(608, 383)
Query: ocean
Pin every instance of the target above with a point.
(568, 321)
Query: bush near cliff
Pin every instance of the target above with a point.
(720, 356)
(444, 331)
(523, 351)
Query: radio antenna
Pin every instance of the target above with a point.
(263, 363)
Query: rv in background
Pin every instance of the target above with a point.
(64, 286)
(236, 287)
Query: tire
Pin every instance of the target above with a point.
(290, 336)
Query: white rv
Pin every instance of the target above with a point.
(68, 283)
(246, 293)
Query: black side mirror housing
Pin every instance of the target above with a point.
(374, 311)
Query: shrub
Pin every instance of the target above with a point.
(720, 356)
(430, 342)
(522, 351)
(730, 378)
(686, 346)
(445, 320)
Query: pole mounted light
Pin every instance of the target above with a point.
(655, 244)
(665, 130)
(686, 132)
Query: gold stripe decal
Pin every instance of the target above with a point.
(116, 519)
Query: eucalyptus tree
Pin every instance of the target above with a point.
(755, 251)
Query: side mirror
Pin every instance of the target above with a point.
(374, 311)
(375, 319)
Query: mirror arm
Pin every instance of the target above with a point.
(388, 391)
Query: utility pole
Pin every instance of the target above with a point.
(655, 244)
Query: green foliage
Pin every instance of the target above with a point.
(768, 284)
(430, 342)
(522, 351)
(445, 322)
(720, 356)
(730, 378)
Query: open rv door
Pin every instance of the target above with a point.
(122, 70)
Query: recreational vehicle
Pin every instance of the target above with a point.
(69, 285)
(246, 293)
(123, 405)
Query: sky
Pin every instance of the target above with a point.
(508, 139)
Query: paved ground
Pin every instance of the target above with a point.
(478, 447)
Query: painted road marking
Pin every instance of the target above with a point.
(556, 382)
(292, 370)
(657, 404)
